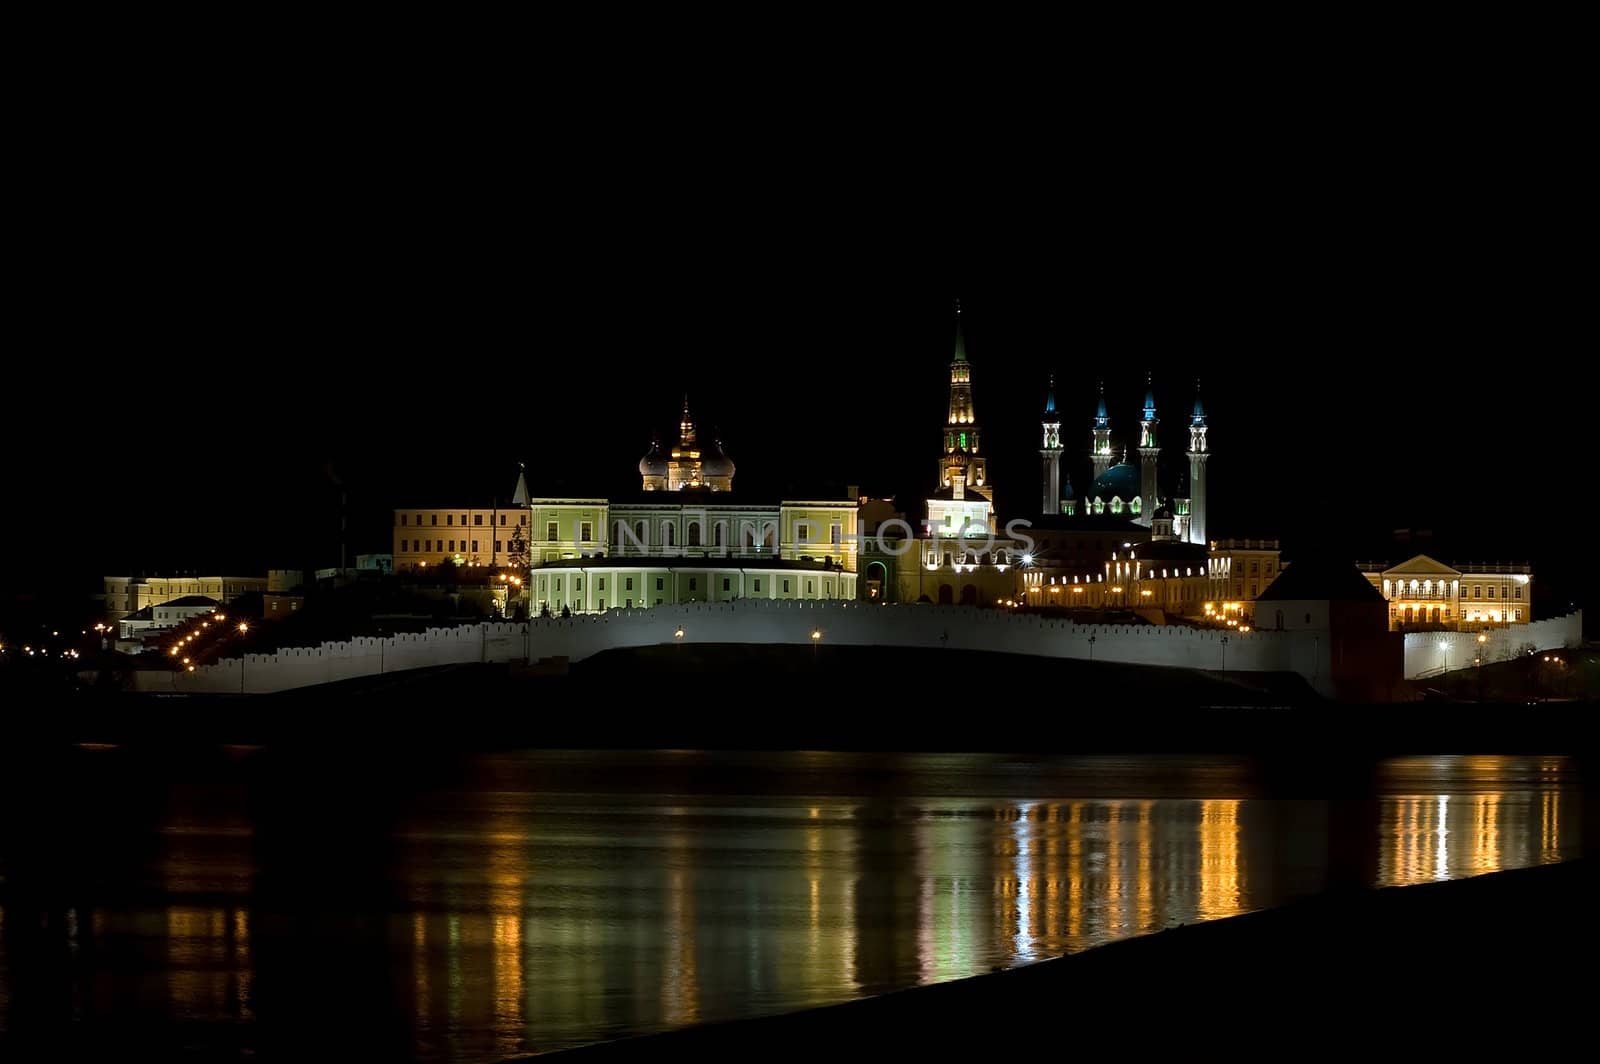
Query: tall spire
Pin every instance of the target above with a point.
(1101, 419)
(1199, 418)
(961, 338)
(519, 497)
(1150, 397)
(686, 426)
(1050, 396)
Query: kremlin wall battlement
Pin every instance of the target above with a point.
(839, 624)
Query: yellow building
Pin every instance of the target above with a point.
(1427, 595)
(130, 594)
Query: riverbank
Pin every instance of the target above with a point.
(1495, 962)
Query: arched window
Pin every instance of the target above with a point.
(694, 533)
(946, 596)
(1134, 505)
(1116, 504)
(642, 530)
(720, 531)
(668, 534)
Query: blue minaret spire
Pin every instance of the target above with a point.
(1100, 437)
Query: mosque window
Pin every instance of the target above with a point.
(1116, 505)
(963, 439)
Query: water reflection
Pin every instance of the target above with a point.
(544, 900)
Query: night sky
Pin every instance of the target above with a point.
(1377, 351)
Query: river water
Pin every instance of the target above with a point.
(470, 908)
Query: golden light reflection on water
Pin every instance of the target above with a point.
(1486, 814)
(521, 922)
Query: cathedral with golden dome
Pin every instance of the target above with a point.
(687, 465)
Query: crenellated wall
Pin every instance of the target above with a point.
(1430, 653)
(764, 622)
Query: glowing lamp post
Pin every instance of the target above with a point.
(816, 638)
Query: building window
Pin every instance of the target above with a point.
(477, 519)
(1477, 591)
(1519, 591)
(811, 587)
(449, 519)
(694, 533)
(786, 587)
(404, 546)
(1491, 591)
(643, 533)
(628, 584)
(433, 519)
(600, 603)
(726, 584)
(667, 536)
(550, 531)
(499, 546)
(601, 586)
(758, 585)
(586, 531)
(719, 532)
(836, 533)
(502, 519)
(474, 546)
(1255, 568)
(402, 520)
(419, 520)
(630, 604)
(694, 584)
(428, 546)
(577, 583)
(803, 531)
(660, 582)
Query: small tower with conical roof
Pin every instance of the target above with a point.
(1149, 455)
(1050, 452)
(1199, 451)
(1100, 440)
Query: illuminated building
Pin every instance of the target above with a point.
(1426, 595)
(956, 556)
(1134, 491)
(685, 538)
(130, 594)
(688, 465)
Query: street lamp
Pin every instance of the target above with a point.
(1224, 669)
(1091, 648)
(816, 637)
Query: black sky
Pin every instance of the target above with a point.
(1389, 329)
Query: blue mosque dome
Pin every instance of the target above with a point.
(1120, 481)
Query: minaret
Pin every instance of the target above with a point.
(962, 452)
(1149, 456)
(1050, 451)
(1198, 453)
(1100, 444)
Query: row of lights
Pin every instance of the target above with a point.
(220, 619)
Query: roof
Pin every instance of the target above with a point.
(1120, 481)
(191, 600)
(1321, 580)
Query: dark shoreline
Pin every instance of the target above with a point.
(1493, 961)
